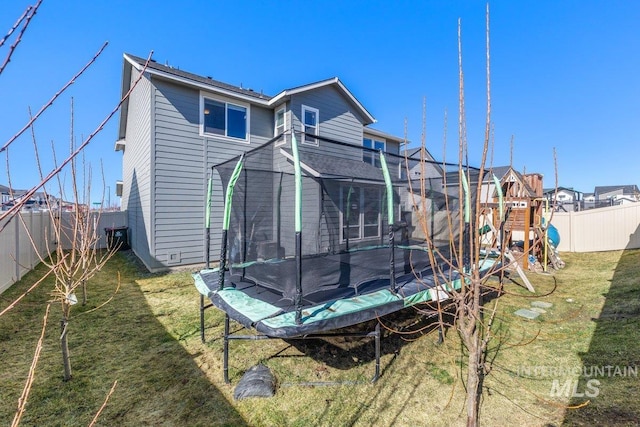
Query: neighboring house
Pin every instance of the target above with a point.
(5, 197)
(620, 199)
(11, 197)
(176, 125)
(610, 195)
(611, 192)
(565, 199)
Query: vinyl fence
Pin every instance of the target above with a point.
(18, 255)
(603, 229)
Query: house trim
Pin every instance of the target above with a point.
(152, 171)
(314, 173)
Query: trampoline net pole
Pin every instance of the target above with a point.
(392, 243)
(298, 226)
(226, 218)
(466, 256)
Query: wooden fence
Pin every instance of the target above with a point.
(18, 255)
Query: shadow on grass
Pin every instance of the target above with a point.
(397, 329)
(609, 379)
(158, 382)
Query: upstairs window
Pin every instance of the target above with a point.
(370, 157)
(310, 124)
(224, 119)
(279, 124)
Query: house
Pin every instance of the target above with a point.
(564, 199)
(37, 202)
(175, 125)
(613, 193)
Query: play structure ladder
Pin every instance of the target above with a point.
(512, 261)
(556, 263)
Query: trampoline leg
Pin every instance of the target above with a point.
(202, 318)
(377, 344)
(440, 334)
(225, 356)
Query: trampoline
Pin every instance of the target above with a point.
(318, 238)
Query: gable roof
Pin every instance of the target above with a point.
(626, 189)
(335, 82)
(209, 84)
(191, 79)
(500, 172)
(567, 189)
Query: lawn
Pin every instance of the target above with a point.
(147, 339)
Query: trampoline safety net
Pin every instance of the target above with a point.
(346, 207)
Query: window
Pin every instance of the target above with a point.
(279, 125)
(360, 212)
(369, 156)
(224, 118)
(310, 118)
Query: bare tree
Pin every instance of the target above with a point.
(473, 314)
(76, 256)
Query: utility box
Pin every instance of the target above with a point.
(117, 238)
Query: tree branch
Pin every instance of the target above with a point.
(53, 98)
(30, 14)
(14, 209)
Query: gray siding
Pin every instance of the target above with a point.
(337, 119)
(136, 170)
(220, 150)
(179, 176)
(182, 165)
(167, 162)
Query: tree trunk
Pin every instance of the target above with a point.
(66, 360)
(475, 377)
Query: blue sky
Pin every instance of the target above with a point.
(564, 73)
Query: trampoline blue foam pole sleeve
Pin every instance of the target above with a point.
(298, 226)
(392, 243)
(226, 219)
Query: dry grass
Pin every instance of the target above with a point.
(147, 339)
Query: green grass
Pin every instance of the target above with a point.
(147, 338)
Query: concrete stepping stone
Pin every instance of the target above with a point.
(541, 304)
(527, 314)
(538, 310)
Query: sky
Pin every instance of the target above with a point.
(564, 74)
